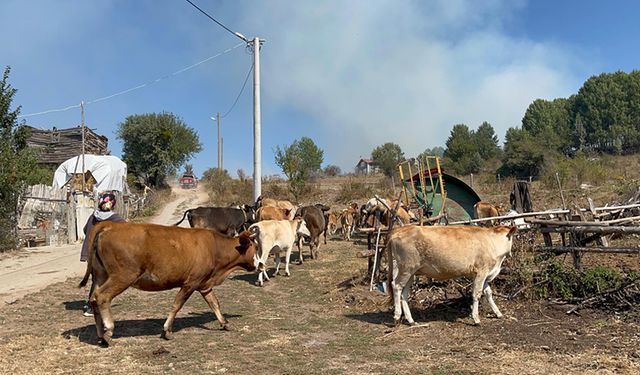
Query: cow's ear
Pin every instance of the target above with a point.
(512, 231)
(245, 241)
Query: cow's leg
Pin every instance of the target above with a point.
(262, 276)
(299, 243)
(287, 256)
(405, 301)
(315, 247)
(183, 295)
(102, 298)
(97, 277)
(277, 260)
(488, 293)
(478, 286)
(213, 303)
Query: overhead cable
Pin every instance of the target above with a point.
(240, 93)
(135, 87)
(237, 34)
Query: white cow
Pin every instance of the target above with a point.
(446, 252)
(275, 235)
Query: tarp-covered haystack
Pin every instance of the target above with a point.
(108, 171)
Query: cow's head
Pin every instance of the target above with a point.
(302, 229)
(247, 248)
(250, 213)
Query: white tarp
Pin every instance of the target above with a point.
(109, 171)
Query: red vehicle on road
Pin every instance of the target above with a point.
(188, 181)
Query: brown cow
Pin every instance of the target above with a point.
(484, 210)
(272, 213)
(446, 252)
(314, 218)
(153, 258)
(282, 204)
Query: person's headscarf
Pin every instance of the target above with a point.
(106, 203)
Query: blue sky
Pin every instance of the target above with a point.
(351, 75)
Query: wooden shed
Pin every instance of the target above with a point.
(58, 145)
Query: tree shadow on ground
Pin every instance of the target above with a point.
(147, 327)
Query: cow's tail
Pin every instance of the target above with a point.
(389, 249)
(254, 229)
(94, 235)
(187, 212)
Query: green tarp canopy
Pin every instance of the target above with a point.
(460, 197)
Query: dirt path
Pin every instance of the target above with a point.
(32, 269)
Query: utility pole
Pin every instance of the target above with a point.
(219, 151)
(222, 153)
(84, 182)
(257, 163)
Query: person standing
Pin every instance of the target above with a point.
(106, 204)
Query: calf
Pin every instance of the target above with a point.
(225, 220)
(314, 218)
(484, 210)
(446, 252)
(331, 223)
(275, 235)
(346, 222)
(153, 258)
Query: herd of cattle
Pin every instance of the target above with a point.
(224, 239)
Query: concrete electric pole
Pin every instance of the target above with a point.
(257, 159)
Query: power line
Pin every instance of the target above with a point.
(240, 93)
(149, 83)
(219, 23)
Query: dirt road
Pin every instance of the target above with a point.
(30, 270)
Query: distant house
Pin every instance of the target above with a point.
(365, 167)
(58, 145)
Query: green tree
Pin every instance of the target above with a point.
(17, 163)
(332, 170)
(523, 156)
(486, 142)
(436, 151)
(550, 122)
(299, 161)
(188, 169)
(462, 152)
(603, 104)
(386, 157)
(155, 145)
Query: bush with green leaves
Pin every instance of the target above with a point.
(17, 166)
(300, 161)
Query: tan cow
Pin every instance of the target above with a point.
(347, 222)
(275, 236)
(271, 213)
(483, 210)
(282, 204)
(446, 252)
(153, 258)
(331, 223)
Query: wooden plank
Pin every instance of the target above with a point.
(581, 223)
(594, 249)
(591, 229)
(507, 217)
